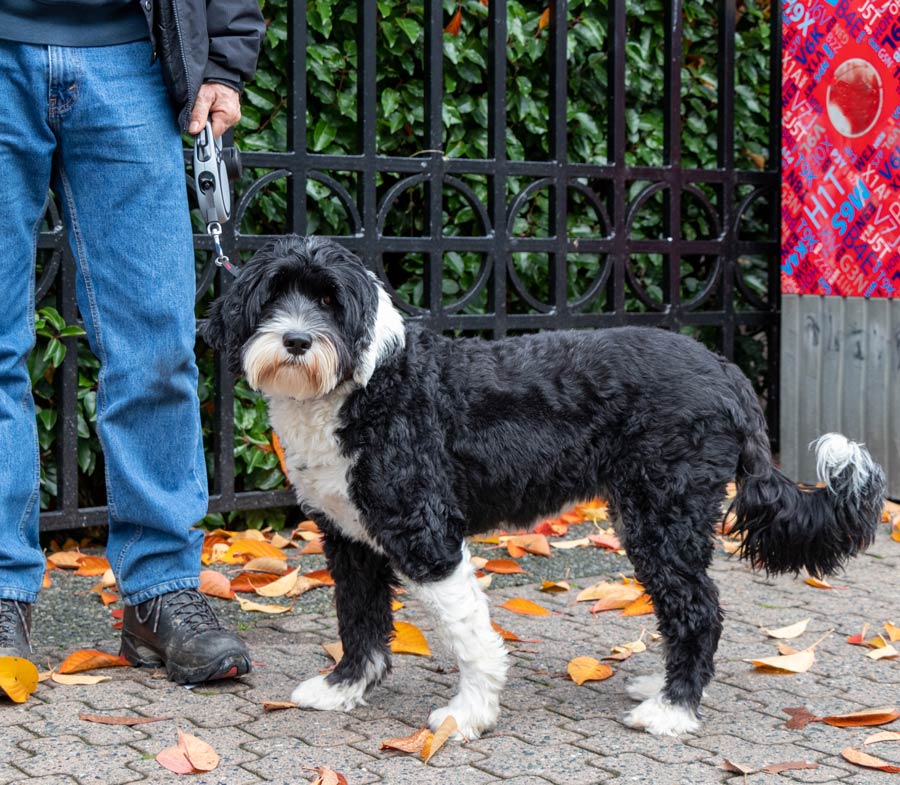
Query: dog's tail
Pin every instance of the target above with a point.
(786, 527)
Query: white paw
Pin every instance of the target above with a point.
(317, 693)
(471, 719)
(661, 718)
(642, 687)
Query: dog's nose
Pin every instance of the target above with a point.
(297, 343)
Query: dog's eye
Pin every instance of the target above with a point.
(325, 299)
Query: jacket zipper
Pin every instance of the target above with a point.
(189, 103)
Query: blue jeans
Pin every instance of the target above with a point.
(96, 124)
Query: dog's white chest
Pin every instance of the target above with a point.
(316, 467)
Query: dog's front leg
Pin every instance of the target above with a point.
(364, 583)
(460, 608)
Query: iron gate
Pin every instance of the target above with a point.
(616, 190)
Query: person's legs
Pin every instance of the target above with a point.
(26, 150)
(121, 178)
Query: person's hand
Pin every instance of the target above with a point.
(218, 102)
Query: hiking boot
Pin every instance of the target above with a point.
(15, 629)
(180, 631)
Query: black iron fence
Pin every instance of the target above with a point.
(637, 277)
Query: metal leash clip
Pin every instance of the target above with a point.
(212, 166)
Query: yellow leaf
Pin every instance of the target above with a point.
(583, 669)
(303, 584)
(249, 605)
(76, 679)
(280, 587)
(893, 631)
(526, 607)
(800, 662)
(243, 550)
(18, 678)
(445, 730)
(791, 631)
(92, 566)
(605, 589)
(408, 639)
(396, 605)
(566, 545)
(530, 543)
(884, 653)
(555, 587)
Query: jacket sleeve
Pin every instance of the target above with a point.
(235, 31)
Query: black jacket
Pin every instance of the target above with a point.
(201, 41)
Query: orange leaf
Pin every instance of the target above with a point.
(312, 547)
(91, 659)
(544, 19)
(455, 23)
(200, 754)
(583, 669)
(554, 587)
(608, 541)
(243, 550)
(880, 716)
(551, 528)
(18, 678)
(92, 566)
(510, 636)
(324, 576)
(174, 759)
(445, 730)
(66, 560)
(328, 777)
(215, 584)
(595, 510)
(334, 650)
(412, 743)
(408, 639)
(640, 607)
(108, 598)
(893, 631)
(816, 583)
(307, 526)
(503, 566)
(46, 583)
(250, 581)
(861, 758)
(605, 589)
(530, 543)
(526, 607)
(277, 705)
(279, 451)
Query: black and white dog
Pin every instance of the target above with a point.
(400, 443)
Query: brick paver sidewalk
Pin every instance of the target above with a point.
(550, 731)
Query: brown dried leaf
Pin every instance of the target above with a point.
(66, 560)
(278, 705)
(885, 735)
(412, 743)
(880, 716)
(860, 758)
(884, 653)
(328, 776)
(267, 564)
(554, 587)
(737, 768)
(200, 754)
(249, 605)
(105, 719)
(280, 587)
(800, 718)
(76, 679)
(334, 650)
(792, 765)
(445, 730)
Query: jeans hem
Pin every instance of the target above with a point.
(134, 598)
(19, 595)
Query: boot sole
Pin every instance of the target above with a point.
(142, 656)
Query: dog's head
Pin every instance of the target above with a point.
(303, 316)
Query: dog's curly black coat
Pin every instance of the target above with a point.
(450, 437)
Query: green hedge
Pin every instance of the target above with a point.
(332, 128)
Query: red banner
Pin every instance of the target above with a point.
(840, 182)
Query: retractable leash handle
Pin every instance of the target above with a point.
(211, 167)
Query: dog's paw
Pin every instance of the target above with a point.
(642, 687)
(471, 721)
(661, 718)
(317, 693)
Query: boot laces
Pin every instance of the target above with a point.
(11, 618)
(189, 608)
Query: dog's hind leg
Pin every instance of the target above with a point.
(671, 552)
(364, 583)
(460, 608)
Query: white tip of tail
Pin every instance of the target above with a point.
(834, 453)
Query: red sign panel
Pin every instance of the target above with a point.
(840, 187)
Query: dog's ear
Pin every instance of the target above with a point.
(212, 330)
(221, 330)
